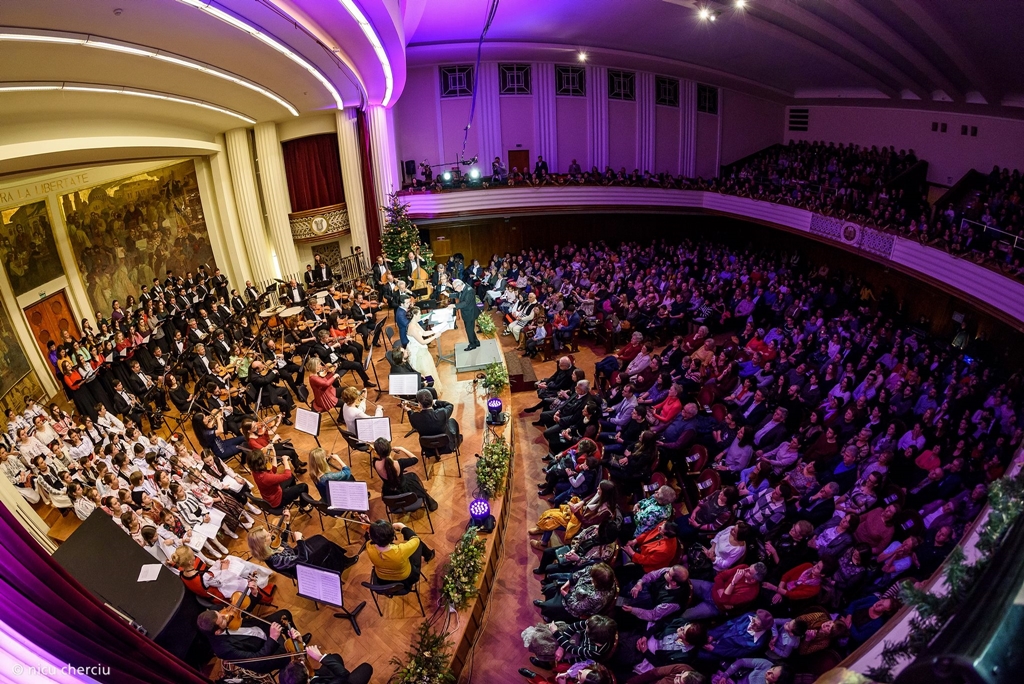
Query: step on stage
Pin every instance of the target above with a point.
(487, 353)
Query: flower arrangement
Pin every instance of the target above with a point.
(427, 660)
(495, 377)
(458, 581)
(492, 467)
(485, 325)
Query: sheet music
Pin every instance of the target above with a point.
(319, 585)
(307, 421)
(443, 327)
(442, 316)
(403, 384)
(197, 540)
(370, 429)
(149, 572)
(348, 496)
(231, 484)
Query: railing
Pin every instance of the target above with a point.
(1012, 242)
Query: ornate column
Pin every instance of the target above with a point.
(597, 116)
(274, 185)
(352, 175)
(222, 217)
(545, 117)
(488, 116)
(386, 178)
(688, 128)
(645, 122)
(247, 201)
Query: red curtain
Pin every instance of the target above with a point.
(313, 168)
(373, 203)
(53, 611)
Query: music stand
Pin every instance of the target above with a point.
(308, 422)
(324, 586)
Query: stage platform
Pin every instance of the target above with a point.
(487, 353)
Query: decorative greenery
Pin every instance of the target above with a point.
(400, 236)
(458, 581)
(485, 325)
(1006, 499)
(492, 467)
(495, 377)
(426, 662)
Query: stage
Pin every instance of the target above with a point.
(487, 353)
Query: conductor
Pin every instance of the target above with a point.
(466, 303)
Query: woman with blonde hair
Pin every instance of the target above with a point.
(325, 469)
(354, 407)
(317, 550)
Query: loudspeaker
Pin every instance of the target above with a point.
(410, 168)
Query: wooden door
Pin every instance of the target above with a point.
(49, 318)
(519, 159)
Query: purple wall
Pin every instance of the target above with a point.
(950, 155)
(666, 140)
(749, 124)
(622, 142)
(707, 145)
(454, 117)
(418, 107)
(571, 113)
(517, 125)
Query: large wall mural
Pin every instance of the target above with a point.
(16, 377)
(129, 231)
(27, 247)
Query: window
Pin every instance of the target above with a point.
(570, 81)
(457, 81)
(666, 91)
(515, 79)
(707, 99)
(799, 119)
(621, 85)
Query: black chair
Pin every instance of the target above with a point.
(404, 504)
(265, 508)
(355, 444)
(392, 589)
(389, 332)
(437, 444)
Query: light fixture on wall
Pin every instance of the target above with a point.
(582, 56)
(17, 87)
(232, 20)
(378, 47)
(98, 42)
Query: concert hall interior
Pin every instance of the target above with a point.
(499, 341)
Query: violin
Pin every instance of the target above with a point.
(241, 602)
(296, 646)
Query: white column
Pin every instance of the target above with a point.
(488, 116)
(352, 175)
(597, 116)
(274, 185)
(247, 202)
(545, 115)
(221, 216)
(688, 128)
(645, 122)
(385, 161)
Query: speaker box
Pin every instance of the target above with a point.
(410, 168)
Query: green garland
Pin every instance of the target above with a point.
(1006, 500)
(458, 579)
(492, 467)
(495, 377)
(427, 660)
(485, 325)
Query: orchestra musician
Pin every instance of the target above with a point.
(331, 670)
(293, 294)
(234, 636)
(435, 418)
(263, 390)
(331, 353)
(291, 372)
(322, 274)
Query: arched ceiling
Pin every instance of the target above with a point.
(961, 51)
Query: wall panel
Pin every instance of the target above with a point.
(666, 140)
(517, 126)
(707, 145)
(572, 132)
(622, 125)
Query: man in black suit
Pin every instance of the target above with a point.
(322, 274)
(466, 304)
(435, 418)
(549, 388)
(380, 271)
(202, 364)
(263, 390)
(332, 670)
(309, 277)
(251, 293)
(140, 383)
(568, 415)
(219, 284)
(294, 295)
(253, 639)
(236, 301)
(221, 346)
(127, 404)
(335, 355)
(770, 433)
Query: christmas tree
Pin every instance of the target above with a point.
(400, 236)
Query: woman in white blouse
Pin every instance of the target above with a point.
(728, 547)
(355, 407)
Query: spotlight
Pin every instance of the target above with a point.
(474, 173)
(704, 14)
(494, 414)
(480, 515)
(583, 56)
(447, 176)
(712, 17)
(740, 4)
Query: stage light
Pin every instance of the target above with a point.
(480, 515)
(740, 4)
(712, 17)
(474, 173)
(583, 56)
(494, 414)
(447, 176)
(704, 14)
